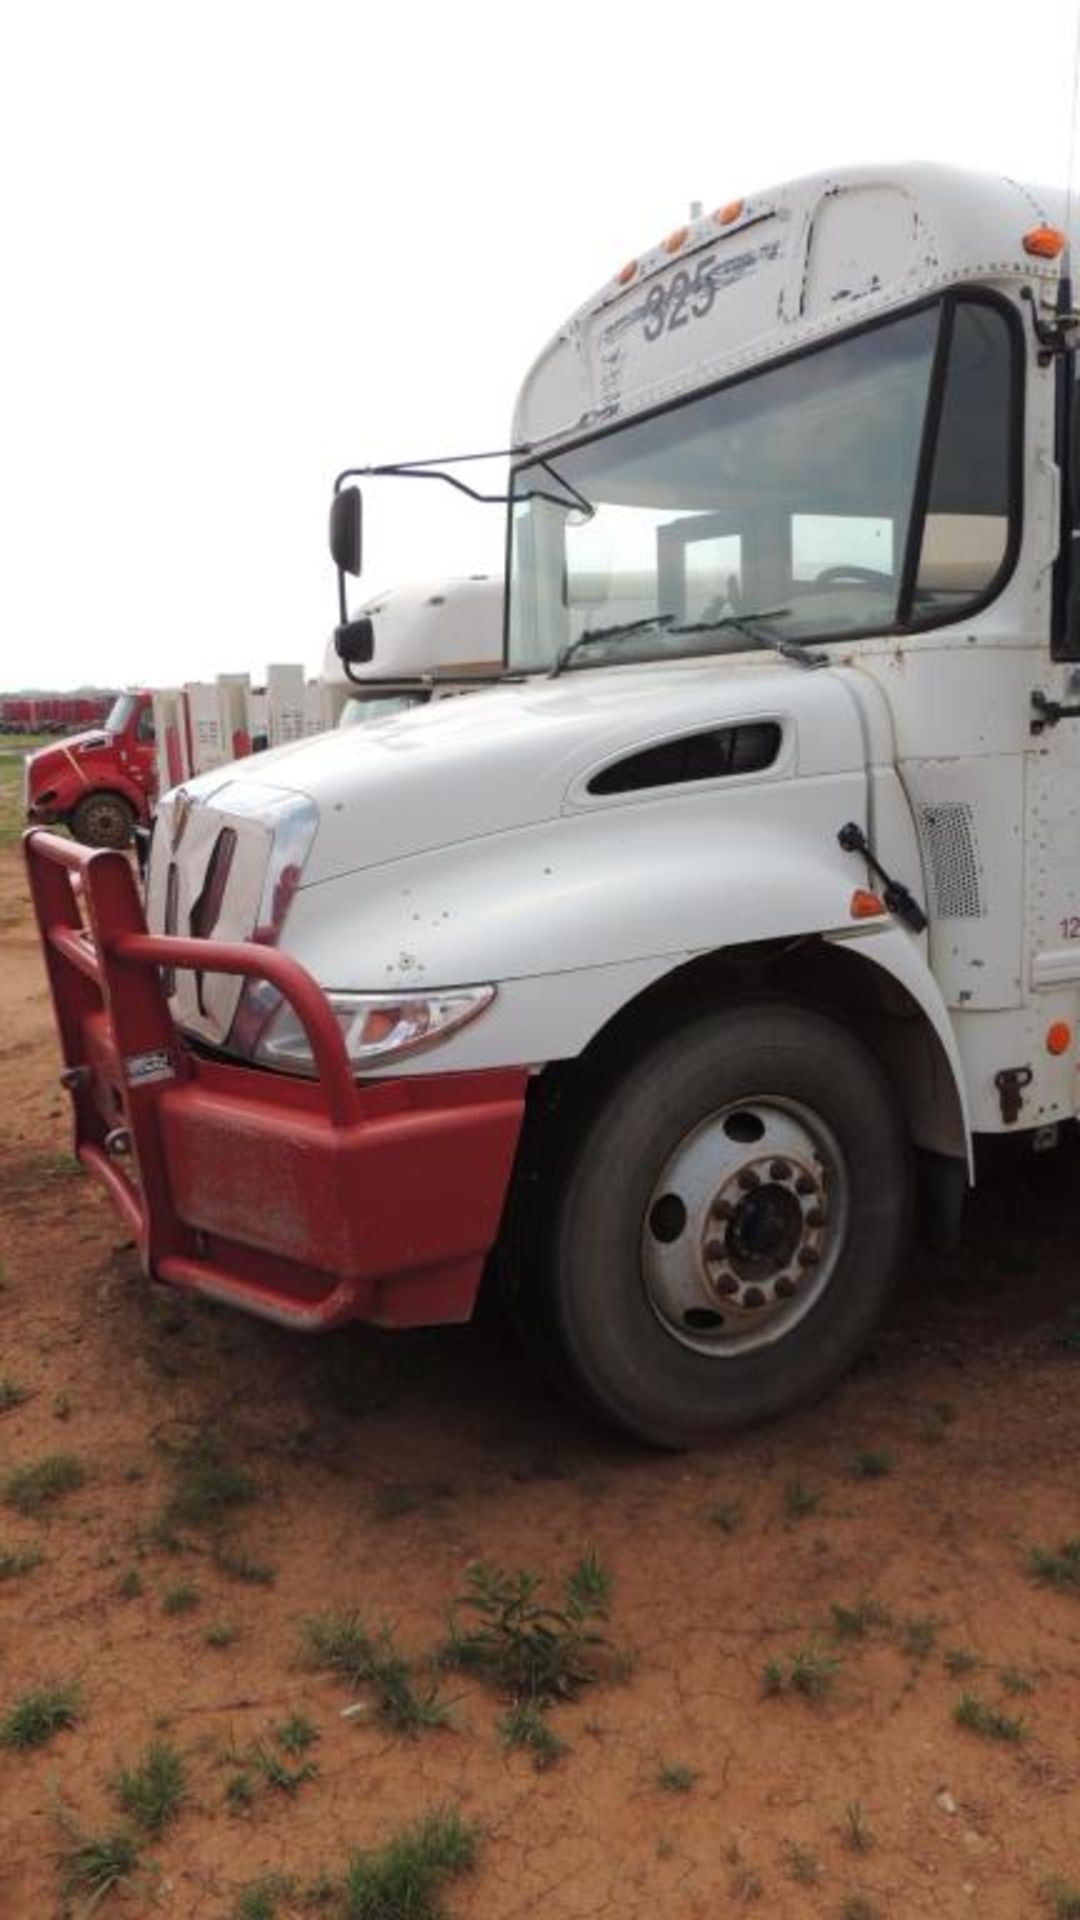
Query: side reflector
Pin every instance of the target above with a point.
(676, 240)
(726, 214)
(1058, 1037)
(1044, 242)
(865, 905)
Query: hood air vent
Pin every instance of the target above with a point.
(715, 755)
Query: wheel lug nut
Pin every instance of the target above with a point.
(785, 1286)
(714, 1249)
(749, 1177)
(808, 1256)
(753, 1297)
(726, 1284)
(804, 1184)
(779, 1170)
(722, 1210)
(815, 1217)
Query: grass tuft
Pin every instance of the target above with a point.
(402, 1879)
(92, 1865)
(991, 1724)
(37, 1716)
(296, 1734)
(807, 1671)
(340, 1643)
(182, 1598)
(12, 1393)
(18, 1561)
(262, 1899)
(801, 1864)
(31, 1489)
(524, 1727)
(1062, 1899)
(672, 1777)
(206, 1486)
(872, 1463)
(854, 1623)
(1060, 1569)
(152, 1792)
(800, 1501)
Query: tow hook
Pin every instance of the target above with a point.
(898, 898)
(1010, 1083)
(117, 1142)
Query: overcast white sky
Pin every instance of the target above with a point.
(247, 244)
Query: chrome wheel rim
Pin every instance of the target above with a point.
(744, 1225)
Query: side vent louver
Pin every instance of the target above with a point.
(951, 859)
(715, 755)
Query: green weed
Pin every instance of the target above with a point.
(1060, 1569)
(800, 1501)
(152, 1792)
(206, 1486)
(873, 1463)
(183, 1598)
(531, 1650)
(31, 1489)
(978, 1718)
(19, 1561)
(402, 1879)
(12, 1394)
(38, 1715)
(854, 1623)
(92, 1865)
(672, 1777)
(525, 1727)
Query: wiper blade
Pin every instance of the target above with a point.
(618, 632)
(751, 625)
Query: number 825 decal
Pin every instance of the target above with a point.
(685, 297)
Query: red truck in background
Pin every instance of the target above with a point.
(52, 712)
(100, 784)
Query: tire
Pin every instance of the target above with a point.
(103, 820)
(729, 1233)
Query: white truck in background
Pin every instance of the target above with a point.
(644, 978)
(429, 640)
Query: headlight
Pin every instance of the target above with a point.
(374, 1026)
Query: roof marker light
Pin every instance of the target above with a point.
(627, 273)
(728, 212)
(676, 240)
(1044, 242)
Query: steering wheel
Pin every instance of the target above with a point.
(852, 577)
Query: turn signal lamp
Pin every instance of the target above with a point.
(1044, 242)
(1058, 1037)
(865, 905)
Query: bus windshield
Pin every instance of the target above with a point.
(799, 494)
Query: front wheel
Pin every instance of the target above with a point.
(103, 820)
(730, 1230)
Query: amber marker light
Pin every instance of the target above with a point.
(1044, 242)
(865, 905)
(627, 273)
(728, 212)
(1058, 1037)
(676, 240)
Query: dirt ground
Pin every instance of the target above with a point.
(383, 1468)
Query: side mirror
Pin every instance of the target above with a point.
(345, 531)
(354, 642)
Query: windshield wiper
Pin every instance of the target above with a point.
(617, 632)
(750, 624)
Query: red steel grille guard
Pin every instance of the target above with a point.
(310, 1202)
